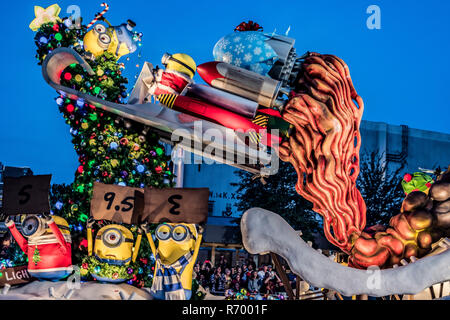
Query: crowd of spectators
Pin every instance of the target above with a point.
(224, 278)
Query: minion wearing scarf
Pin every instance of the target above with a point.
(177, 251)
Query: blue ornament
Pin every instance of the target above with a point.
(43, 40)
(59, 101)
(80, 103)
(113, 145)
(97, 269)
(123, 184)
(58, 205)
(140, 168)
(248, 50)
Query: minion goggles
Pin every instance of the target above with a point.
(36, 226)
(178, 232)
(168, 57)
(113, 238)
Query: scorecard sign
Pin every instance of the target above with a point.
(26, 195)
(114, 203)
(134, 205)
(176, 205)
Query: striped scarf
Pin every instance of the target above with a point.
(167, 279)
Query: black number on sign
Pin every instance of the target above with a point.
(23, 193)
(175, 206)
(128, 204)
(109, 197)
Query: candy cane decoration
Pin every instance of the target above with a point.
(104, 4)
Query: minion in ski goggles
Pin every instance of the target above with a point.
(177, 232)
(179, 62)
(175, 240)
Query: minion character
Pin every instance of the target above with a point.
(113, 245)
(179, 70)
(119, 40)
(177, 251)
(47, 243)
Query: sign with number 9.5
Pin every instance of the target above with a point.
(112, 202)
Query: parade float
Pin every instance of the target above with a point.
(268, 102)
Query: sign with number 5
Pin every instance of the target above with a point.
(26, 195)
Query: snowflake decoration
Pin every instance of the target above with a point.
(239, 48)
(227, 57)
(248, 57)
(237, 62)
(257, 51)
(251, 37)
(237, 39)
(223, 43)
(256, 68)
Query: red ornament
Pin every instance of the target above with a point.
(68, 76)
(158, 169)
(56, 27)
(80, 169)
(85, 265)
(83, 243)
(428, 184)
(70, 108)
(407, 177)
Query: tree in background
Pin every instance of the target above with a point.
(110, 149)
(380, 188)
(278, 195)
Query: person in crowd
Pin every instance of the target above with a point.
(237, 283)
(268, 284)
(233, 272)
(262, 272)
(196, 271)
(228, 279)
(206, 269)
(254, 283)
(271, 271)
(217, 281)
(239, 270)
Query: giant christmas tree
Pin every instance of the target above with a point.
(110, 149)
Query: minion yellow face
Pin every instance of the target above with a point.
(180, 62)
(114, 245)
(175, 240)
(97, 40)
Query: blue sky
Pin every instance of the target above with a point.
(401, 71)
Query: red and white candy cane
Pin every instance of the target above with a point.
(104, 4)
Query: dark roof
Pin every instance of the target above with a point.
(222, 234)
(16, 172)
